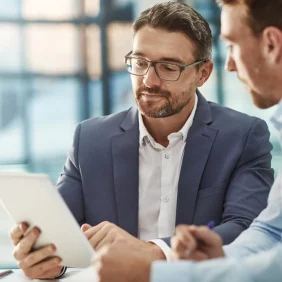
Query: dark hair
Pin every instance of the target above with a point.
(260, 13)
(179, 17)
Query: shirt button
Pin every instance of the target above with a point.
(166, 199)
(167, 156)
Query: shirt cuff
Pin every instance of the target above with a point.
(63, 271)
(179, 271)
(163, 246)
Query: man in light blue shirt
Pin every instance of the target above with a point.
(253, 32)
(255, 256)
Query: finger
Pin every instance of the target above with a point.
(184, 231)
(179, 245)
(54, 272)
(39, 269)
(183, 239)
(85, 227)
(99, 236)
(17, 232)
(37, 256)
(108, 239)
(93, 230)
(180, 250)
(206, 236)
(197, 256)
(25, 245)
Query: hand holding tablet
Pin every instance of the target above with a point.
(34, 200)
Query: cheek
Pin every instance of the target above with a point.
(245, 62)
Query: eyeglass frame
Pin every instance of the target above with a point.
(153, 63)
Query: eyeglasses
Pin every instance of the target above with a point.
(165, 71)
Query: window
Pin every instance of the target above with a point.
(53, 63)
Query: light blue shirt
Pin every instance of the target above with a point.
(255, 256)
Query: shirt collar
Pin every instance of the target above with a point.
(277, 118)
(144, 135)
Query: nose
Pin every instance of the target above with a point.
(151, 79)
(230, 64)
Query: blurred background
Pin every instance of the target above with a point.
(61, 61)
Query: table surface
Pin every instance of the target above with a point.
(72, 275)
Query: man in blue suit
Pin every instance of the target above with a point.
(253, 33)
(176, 159)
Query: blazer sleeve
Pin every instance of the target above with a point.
(266, 228)
(70, 184)
(249, 185)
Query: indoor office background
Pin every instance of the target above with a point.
(62, 62)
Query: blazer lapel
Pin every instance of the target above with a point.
(198, 146)
(125, 153)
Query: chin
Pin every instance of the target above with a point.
(263, 102)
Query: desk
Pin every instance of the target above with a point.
(72, 275)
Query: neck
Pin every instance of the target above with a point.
(161, 128)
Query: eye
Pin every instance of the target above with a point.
(169, 68)
(141, 64)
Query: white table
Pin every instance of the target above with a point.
(72, 275)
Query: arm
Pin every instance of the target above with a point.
(267, 228)
(70, 183)
(266, 266)
(249, 185)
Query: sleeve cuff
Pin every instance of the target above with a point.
(63, 271)
(163, 246)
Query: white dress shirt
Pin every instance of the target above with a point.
(159, 170)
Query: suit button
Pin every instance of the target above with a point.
(166, 199)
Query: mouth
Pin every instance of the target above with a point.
(150, 97)
(153, 95)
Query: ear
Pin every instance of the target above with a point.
(272, 38)
(204, 73)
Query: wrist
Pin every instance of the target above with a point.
(158, 254)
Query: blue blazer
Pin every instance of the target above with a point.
(226, 172)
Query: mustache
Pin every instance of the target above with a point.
(153, 90)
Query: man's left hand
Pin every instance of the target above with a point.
(107, 233)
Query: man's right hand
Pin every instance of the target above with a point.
(35, 264)
(196, 243)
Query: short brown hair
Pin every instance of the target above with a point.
(179, 17)
(260, 13)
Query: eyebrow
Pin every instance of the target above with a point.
(226, 37)
(162, 59)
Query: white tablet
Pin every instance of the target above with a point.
(32, 198)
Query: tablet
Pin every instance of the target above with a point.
(32, 198)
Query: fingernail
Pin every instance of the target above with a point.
(36, 231)
(52, 248)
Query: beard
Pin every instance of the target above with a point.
(164, 107)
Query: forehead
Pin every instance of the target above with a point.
(157, 43)
(234, 22)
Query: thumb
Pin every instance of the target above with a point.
(206, 236)
(85, 227)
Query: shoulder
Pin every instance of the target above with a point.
(232, 119)
(108, 123)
